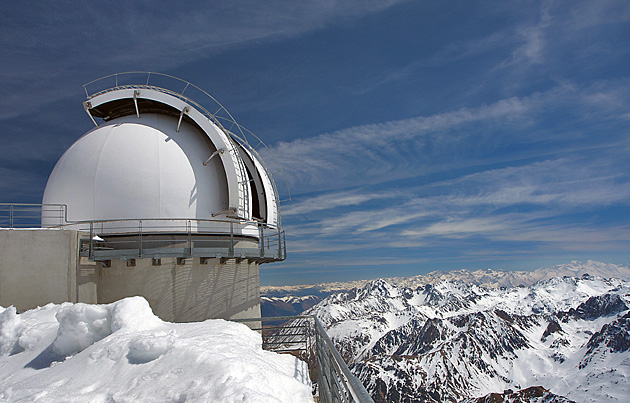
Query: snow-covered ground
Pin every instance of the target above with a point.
(122, 352)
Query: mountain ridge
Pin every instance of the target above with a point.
(454, 340)
(486, 277)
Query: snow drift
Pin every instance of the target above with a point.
(122, 352)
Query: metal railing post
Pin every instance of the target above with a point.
(261, 241)
(140, 236)
(91, 251)
(11, 216)
(189, 228)
(231, 250)
(279, 244)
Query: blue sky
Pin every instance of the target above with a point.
(414, 135)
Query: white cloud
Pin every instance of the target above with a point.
(466, 137)
(453, 228)
(325, 265)
(372, 153)
(534, 41)
(566, 236)
(332, 200)
(63, 42)
(565, 183)
(528, 203)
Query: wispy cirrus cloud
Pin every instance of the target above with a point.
(560, 183)
(472, 180)
(453, 228)
(532, 203)
(64, 45)
(509, 130)
(372, 152)
(329, 201)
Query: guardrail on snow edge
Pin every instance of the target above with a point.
(305, 337)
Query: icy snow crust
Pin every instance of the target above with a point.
(459, 340)
(121, 352)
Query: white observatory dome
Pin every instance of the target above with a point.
(161, 157)
(139, 169)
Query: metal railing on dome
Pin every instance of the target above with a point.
(158, 237)
(305, 337)
(189, 93)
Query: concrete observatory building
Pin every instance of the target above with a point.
(166, 197)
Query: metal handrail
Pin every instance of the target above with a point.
(63, 208)
(271, 239)
(335, 382)
(29, 215)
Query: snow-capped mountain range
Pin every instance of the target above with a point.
(488, 278)
(454, 340)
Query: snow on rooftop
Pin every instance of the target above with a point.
(122, 352)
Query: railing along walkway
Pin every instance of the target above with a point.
(28, 215)
(157, 237)
(305, 337)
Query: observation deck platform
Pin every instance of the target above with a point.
(156, 238)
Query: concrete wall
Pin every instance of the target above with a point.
(192, 291)
(87, 279)
(42, 266)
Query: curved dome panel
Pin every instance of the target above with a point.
(136, 168)
(265, 199)
(111, 105)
